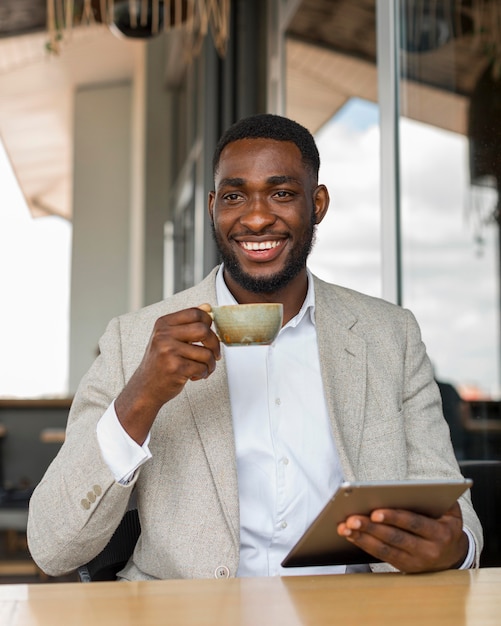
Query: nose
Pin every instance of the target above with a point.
(257, 215)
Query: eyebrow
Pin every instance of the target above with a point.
(281, 180)
(232, 182)
(272, 180)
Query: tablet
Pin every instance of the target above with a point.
(321, 545)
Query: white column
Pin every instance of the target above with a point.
(101, 218)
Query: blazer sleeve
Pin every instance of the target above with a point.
(429, 449)
(78, 504)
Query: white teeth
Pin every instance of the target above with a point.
(263, 245)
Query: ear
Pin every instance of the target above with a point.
(320, 202)
(210, 204)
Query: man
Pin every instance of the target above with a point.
(232, 452)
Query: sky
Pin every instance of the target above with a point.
(34, 294)
(450, 283)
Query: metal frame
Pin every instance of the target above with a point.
(387, 14)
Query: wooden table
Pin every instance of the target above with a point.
(455, 598)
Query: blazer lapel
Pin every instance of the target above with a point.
(210, 403)
(343, 360)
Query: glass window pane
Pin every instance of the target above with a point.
(331, 88)
(347, 249)
(450, 146)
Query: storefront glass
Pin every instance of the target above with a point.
(450, 172)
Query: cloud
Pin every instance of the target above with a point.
(452, 290)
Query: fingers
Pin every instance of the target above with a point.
(411, 523)
(182, 347)
(191, 327)
(415, 524)
(385, 543)
(409, 541)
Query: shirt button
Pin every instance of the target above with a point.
(278, 402)
(285, 461)
(283, 524)
(222, 572)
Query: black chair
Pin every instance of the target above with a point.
(14, 502)
(486, 498)
(115, 555)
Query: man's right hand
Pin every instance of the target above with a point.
(182, 347)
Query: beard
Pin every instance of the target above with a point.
(296, 262)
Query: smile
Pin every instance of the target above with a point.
(262, 245)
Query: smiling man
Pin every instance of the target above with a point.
(264, 217)
(232, 452)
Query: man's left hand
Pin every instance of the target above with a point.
(410, 542)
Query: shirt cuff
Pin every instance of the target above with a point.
(470, 557)
(121, 453)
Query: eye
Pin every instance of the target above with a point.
(283, 194)
(231, 197)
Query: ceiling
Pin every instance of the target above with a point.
(439, 42)
(331, 57)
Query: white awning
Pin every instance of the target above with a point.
(36, 107)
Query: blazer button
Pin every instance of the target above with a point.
(85, 503)
(222, 572)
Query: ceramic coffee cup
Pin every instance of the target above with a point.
(247, 324)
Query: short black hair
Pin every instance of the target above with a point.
(269, 126)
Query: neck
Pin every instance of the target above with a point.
(291, 296)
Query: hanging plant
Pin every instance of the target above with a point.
(141, 19)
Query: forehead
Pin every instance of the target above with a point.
(251, 158)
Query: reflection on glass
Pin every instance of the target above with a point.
(332, 89)
(450, 176)
(347, 250)
(450, 166)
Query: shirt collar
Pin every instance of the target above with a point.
(224, 296)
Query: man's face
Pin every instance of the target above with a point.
(264, 210)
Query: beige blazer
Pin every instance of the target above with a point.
(385, 413)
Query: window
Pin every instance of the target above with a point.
(35, 265)
(445, 174)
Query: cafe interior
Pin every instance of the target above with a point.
(109, 114)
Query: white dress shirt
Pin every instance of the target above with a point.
(287, 463)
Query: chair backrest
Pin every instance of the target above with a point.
(115, 555)
(486, 498)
